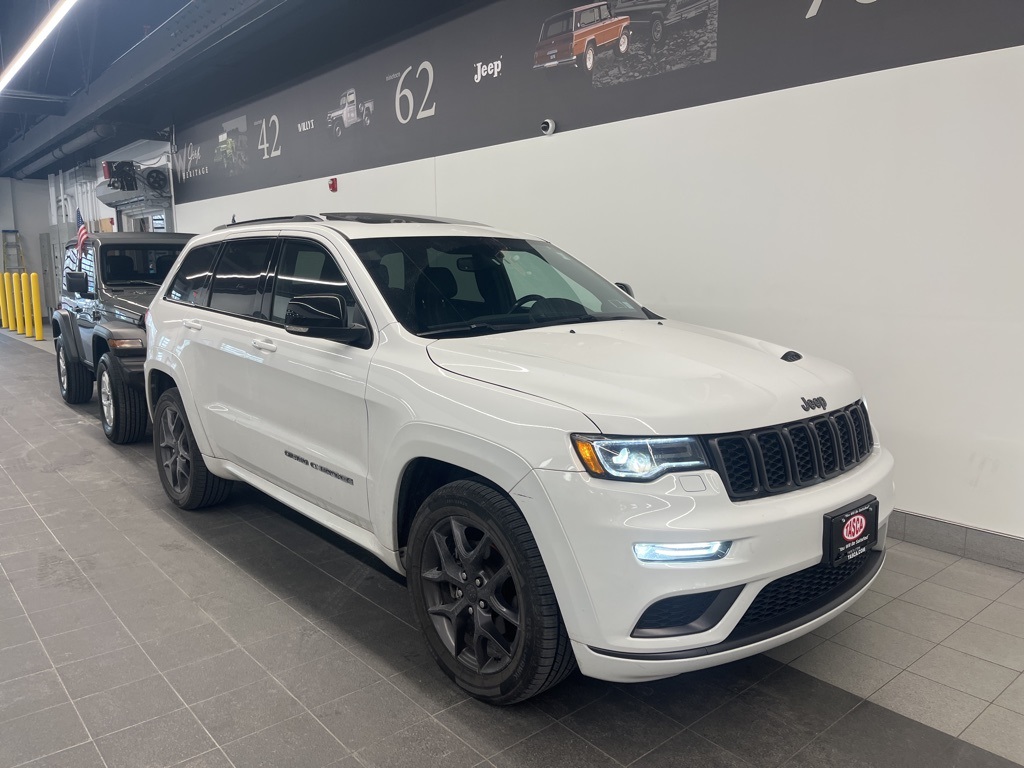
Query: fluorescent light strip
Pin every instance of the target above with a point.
(43, 31)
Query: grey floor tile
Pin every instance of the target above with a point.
(988, 581)
(893, 584)
(127, 705)
(428, 686)
(108, 580)
(758, 736)
(685, 698)
(945, 558)
(794, 649)
(151, 623)
(31, 693)
(297, 743)
(80, 644)
(262, 623)
(1006, 618)
(884, 643)
(1000, 731)
(989, 644)
(20, 660)
(846, 668)
(215, 758)
(964, 672)
(10, 607)
(553, 747)
(1014, 596)
(100, 673)
(797, 697)
(424, 745)
(390, 647)
(908, 563)
(15, 631)
(215, 675)
(836, 625)
(86, 613)
(620, 726)
(372, 714)
(325, 679)
(870, 601)
(188, 647)
(73, 590)
(292, 648)
(1004, 551)
(935, 534)
(917, 620)
(946, 600)
(40, 734)
(21, 527)
(689, 749)
(164, 741)
(930, 702)
(1013, 697)
(83, 756)
(227, 601)
(28, 541)
(231, 716)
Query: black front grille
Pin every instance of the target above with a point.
(789, 456)
(797, 593)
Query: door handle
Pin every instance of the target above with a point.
(195, 326)
(266, 346)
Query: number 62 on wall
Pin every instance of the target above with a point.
(405, 102)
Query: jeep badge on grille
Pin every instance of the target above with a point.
(817, 402)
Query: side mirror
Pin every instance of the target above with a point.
(626, 288)
(77, 282)
(322, 317)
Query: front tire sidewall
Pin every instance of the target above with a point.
(128, 405)
(500, 685)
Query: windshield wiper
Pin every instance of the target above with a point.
(570, 319)
(466, 329)
(134, 282)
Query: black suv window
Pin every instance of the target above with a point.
(190, 283)
(138, 264)
(237, 279)
(307, 268)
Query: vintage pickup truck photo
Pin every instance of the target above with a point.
(574, 37)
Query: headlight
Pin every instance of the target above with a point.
(641, 458)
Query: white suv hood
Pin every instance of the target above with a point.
(651, 377)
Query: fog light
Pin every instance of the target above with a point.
(681, 553)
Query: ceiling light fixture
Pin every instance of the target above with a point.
(53, 18)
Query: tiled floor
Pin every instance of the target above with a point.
(133, 634)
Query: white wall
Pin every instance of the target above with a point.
(32, 217)
(874, 220)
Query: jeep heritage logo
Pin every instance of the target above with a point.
(815, 402)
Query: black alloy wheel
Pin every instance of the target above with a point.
(183, 473)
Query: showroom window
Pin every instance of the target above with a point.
(240, 272)
(306, 268)
(190, 283)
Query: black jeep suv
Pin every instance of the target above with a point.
(99, 328)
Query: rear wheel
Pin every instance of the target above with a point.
(657, 29)
(622, 44)
(183, 473)
(73, 378)
(590, 58)
(122, 406)
(482, 595)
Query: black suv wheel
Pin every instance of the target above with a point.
(183, 473)
(122, 406)
(73, 378)
(482, 595)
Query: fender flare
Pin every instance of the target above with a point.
(69, 328)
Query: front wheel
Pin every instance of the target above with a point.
(183, 473)
(482, 595)
(73, 378)
(122, 406)
(622, 44)
(589, 57)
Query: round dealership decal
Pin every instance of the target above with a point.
(854, 527)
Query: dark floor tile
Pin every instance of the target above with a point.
(798, 698)
(331, 677)
(92, 641)
(127, 705)
(231, 716)
(74, 590)
(691, 751)
(424, 745)
(231, 597)
(297, 743)
(40, 734)
(621, 726)
(165, 741)
(15, 631)
(188, 647)
(686, 698)
(29, 694)
(83, 756)
(20, 660)
(262, 623)
(152, 623)
(428, 686)
(758, 736)
(554, 747)
(369, 715)
(389, 647)
(290, 649)
(121, 577)
(66, 618)
(215, 675)
(101, 673)
(317, 606)
(489, 729)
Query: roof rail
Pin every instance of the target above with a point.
(392, 218)
(272, 219)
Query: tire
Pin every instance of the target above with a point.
(122, 406)
(622, 44)
(589, 58)
(657, 29)
(366, 117)
(468, 596)
(183, 473)
(73, 379)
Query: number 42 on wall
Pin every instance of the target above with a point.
(816, 5)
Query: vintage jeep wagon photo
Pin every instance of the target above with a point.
(574, 37)
(653, 16)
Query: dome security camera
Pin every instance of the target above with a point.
(547, 127)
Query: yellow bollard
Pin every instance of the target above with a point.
(26, 298)
(9, 294)
(19, 322)
(37, 306)
(3, 307)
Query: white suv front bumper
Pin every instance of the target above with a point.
(586, 529)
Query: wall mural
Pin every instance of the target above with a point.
(494, 75)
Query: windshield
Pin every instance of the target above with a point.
(444, 286)
(138, 265)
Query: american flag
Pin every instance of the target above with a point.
(83, 235)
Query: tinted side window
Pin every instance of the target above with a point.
(88, 264)
(239, 275)
(305, 269)
(190, 283)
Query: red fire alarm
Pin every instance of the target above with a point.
(332, 184)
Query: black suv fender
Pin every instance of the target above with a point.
(64, 324)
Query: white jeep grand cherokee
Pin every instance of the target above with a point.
(564, 477)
